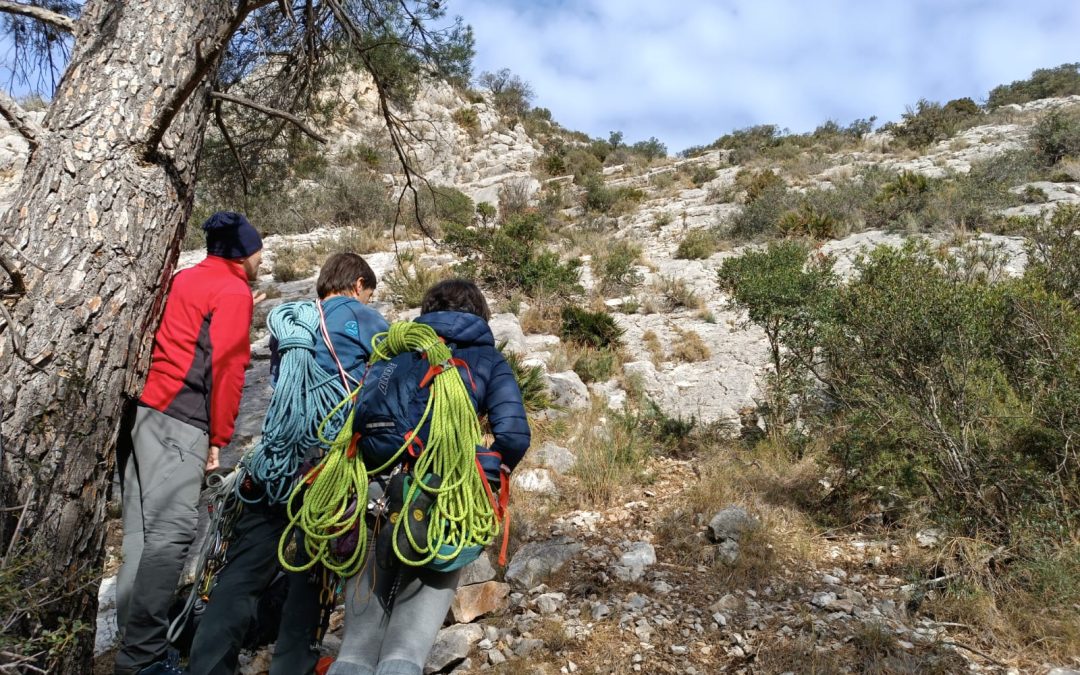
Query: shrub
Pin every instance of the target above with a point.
(1033, 194)
(592, 329)
(677, 294)
(485, 212)
(531, 381)
(446, 206)
(784, 293)
(1056, 136)
(701, 174)
(767, 201)
(608, 462)
(697, 245)
(406, 286)
(467, 119)
(599, 198)
(652, 345)
(595, 365)
(759, 183)
(616, 267)
(510, 258)
(1054, 254)
(510, 95)
(807, 221)
(514, 196)
(1063, 80)
(292, 263)
(929, 121)
(649, 150)
(902, 199)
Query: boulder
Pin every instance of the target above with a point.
(506, 328)
(536, 561)
(476, 600)
(568, 391)
(452, 645)
(554, 457)
(534, 480)
(634, 561)
(478, 571)
(731, 523)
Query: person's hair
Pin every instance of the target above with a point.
(456, 295)
(340, 272)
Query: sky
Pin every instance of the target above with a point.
(688, 71)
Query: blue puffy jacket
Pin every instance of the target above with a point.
(392, 391)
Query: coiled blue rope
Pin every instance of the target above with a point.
(303, 395)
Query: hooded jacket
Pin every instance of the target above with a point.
(489, 381)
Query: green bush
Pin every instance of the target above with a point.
(1063, 80)
(591, 329)
(1054, 254)
(468, 119)
(531, 380)
(406, 286)
(613, 201)
(697, 245)
(616, 267)
(510, 95)
(929, 122)
(767, 199)
(1056, 136)
(595, 365)
(785, 293)
(511, 258)
(807, 221)
(701, 174)
(649, 150)
(486, 212)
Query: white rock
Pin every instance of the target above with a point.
(534, 480)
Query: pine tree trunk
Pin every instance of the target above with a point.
(95, 230)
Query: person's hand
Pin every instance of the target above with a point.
(212, 463)
(256, 298)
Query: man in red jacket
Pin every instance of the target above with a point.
(183, 418)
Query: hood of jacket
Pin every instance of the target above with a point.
(460, 328)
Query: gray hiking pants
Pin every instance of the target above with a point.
(161, 474)
(392, 618)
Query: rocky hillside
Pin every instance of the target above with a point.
(664, 552)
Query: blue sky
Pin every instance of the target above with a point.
(688, 71)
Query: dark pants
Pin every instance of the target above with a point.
(161, 473)
(252, 566)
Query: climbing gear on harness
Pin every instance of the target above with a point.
(304, 392)
(417, 519)
(224, 510)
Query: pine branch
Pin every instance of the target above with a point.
(65, 23)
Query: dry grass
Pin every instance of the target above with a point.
(611, 455)
(769, 485)
(652, 345)
(677, 294)
(689, 347)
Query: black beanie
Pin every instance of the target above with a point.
(230, 235)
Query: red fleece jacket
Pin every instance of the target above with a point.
(202, 348)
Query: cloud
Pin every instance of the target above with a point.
(690, 71)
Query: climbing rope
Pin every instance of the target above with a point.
(333, 499)
(463, 514)
(303, 393)
(335, 492)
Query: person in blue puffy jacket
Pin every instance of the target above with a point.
(392, 617)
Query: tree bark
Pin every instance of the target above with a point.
(97, 224)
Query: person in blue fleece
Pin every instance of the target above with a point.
(345, 285)
(392, 615)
